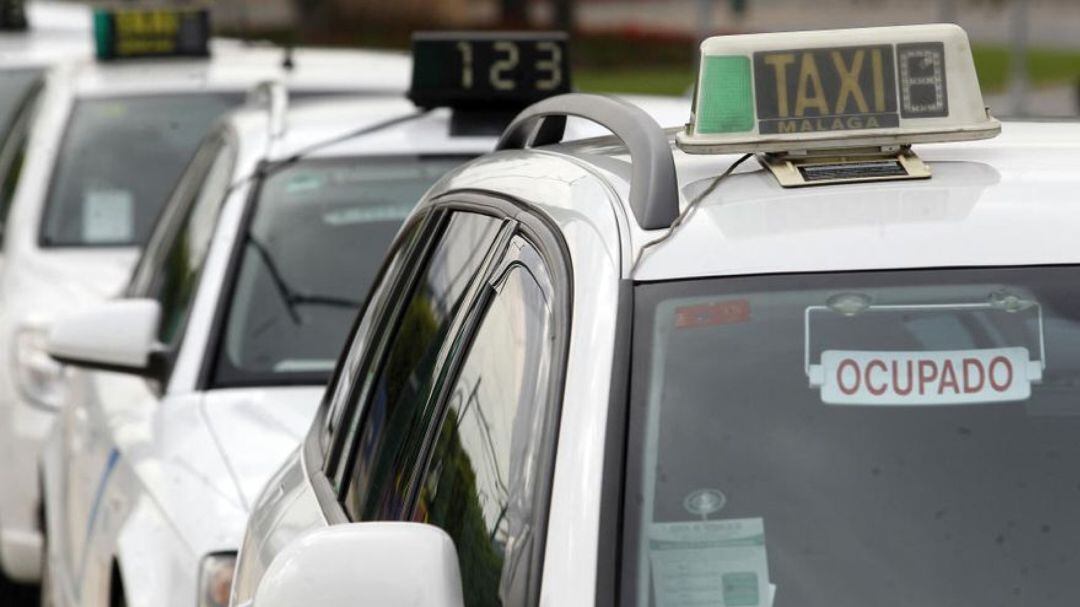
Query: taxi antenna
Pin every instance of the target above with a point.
(288, 61)
(690, 207)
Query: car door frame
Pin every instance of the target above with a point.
(542, 234)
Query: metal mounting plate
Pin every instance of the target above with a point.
(855, 166)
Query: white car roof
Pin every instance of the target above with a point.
(235, 65)
(1005, 201)
(998, 202)
(58, 31)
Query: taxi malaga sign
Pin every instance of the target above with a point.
(834, 89)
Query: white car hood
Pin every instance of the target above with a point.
(255, 430)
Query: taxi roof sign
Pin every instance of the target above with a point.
(12, 15)
(136, 33)
(798, 91)
(488, 70)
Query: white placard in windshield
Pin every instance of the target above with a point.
(719, 563)
(953, 377)
(108, 216)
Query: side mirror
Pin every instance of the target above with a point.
(385, 564)
(119, 335)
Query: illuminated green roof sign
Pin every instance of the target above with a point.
(133, 33)
(840, 88)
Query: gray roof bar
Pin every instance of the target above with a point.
(654, 186)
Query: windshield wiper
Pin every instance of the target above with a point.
(291, 297)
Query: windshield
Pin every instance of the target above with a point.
(118, 163)
(14, 86)
(893, 439)
(319, 233)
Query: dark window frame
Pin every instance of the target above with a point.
(150, 260)
(543, 235)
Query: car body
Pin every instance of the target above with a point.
(42, 276)
(571, 495)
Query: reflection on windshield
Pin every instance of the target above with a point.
(887, 439)
(317, 239)
(119, 161)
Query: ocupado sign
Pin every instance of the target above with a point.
(927, 378)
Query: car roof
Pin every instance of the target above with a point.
(58, 31)
(1005, 201)
(236, 66)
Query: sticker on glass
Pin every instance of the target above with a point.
(953, 377)
(704, 502)
(108, 217)
(720, 563)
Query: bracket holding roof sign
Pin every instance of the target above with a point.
(924, 377)
(138, 33)
(838, 105)
(487, 77)
(13, 16)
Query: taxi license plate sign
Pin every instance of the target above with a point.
(925, 378)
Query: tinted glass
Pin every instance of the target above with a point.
(397, 413)
(479, 486)
(176, 273)
(12, 157)
(119, 160)
(14, 87)
(886, 438)
(319, 235)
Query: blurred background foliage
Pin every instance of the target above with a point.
(649, 46)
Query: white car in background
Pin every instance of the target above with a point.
(105, 147)
(213, 364)
(249, 282)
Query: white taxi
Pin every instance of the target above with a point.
(792, 354)
(105, 145)
(211, 367)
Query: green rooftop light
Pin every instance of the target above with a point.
(726, 104)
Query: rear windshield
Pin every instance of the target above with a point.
(890, 439)
(14, 86)
(319, 233)
(118, 163)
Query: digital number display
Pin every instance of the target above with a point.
(486, 70)
(133, 33)
(12, 15)
(848, 88)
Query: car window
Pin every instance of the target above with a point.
(480, 483)
(119, 160)
(886, 438)
(15, 85)
(174, 276)
(12, 157)
(396, 412)
(316, 239)
(347, 375)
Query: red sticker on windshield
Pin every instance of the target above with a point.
(719, 313)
